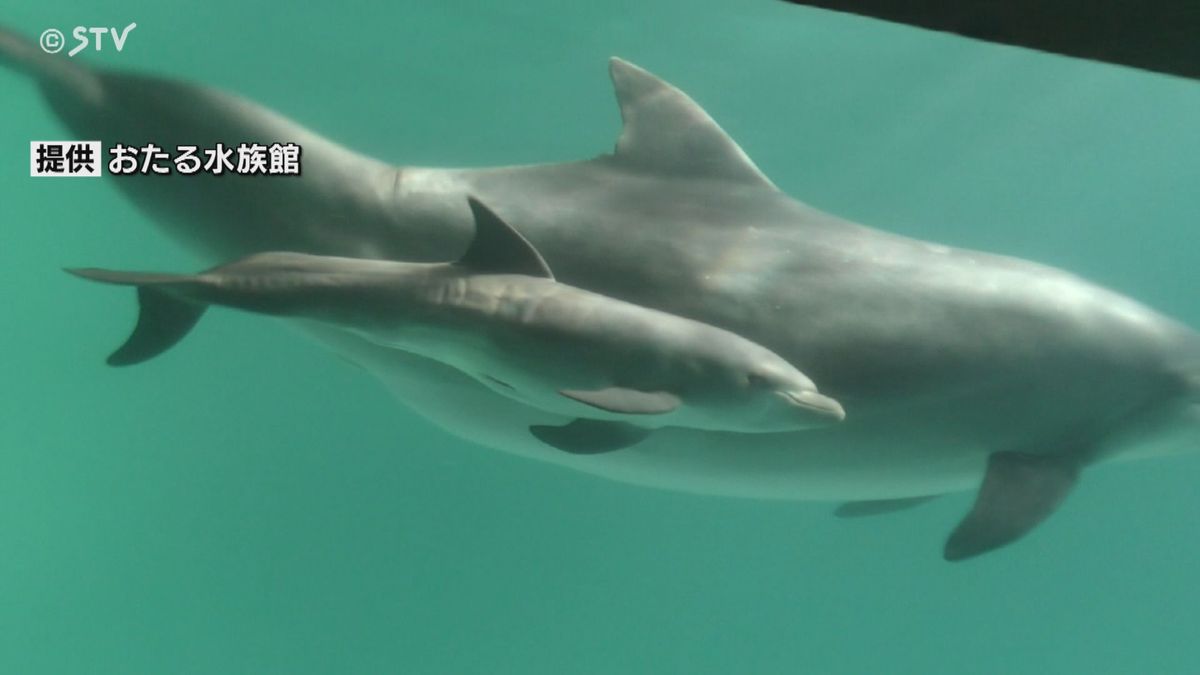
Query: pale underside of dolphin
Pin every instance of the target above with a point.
(954, 366)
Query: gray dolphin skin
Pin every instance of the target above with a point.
(498, 315)
(957, 369)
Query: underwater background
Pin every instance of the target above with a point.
(251, 504)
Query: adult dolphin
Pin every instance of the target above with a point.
(955, 367)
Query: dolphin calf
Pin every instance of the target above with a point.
(958, 369)
(498, 315)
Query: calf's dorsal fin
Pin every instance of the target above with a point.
(499, 249)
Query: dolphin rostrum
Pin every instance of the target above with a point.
(498, 315)
(958, 369)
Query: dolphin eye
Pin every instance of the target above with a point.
(756, 381)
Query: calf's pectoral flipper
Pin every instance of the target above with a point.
(589, 437)
(1019, 491)
(163, 317)
(626, 401)
(876, 507)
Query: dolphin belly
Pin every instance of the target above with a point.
(854, 462)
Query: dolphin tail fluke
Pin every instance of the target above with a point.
(163, 320)
(164, 316)
(16, 51)
(52, 70)
(138, 279)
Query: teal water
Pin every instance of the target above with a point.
(250, 504)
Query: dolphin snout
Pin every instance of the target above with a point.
(815, 402)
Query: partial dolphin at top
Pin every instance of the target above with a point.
(1157, 35)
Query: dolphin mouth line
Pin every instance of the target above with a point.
(815, 402)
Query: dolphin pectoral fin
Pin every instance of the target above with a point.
(1019, 491)
(626, 401)
(875, 507)
(589, 437)
(163, 319)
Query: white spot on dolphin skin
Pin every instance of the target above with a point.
(737, 268)
(730, 280)
(426, 181)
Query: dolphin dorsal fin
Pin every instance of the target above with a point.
(666, 132)
(499, 249)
